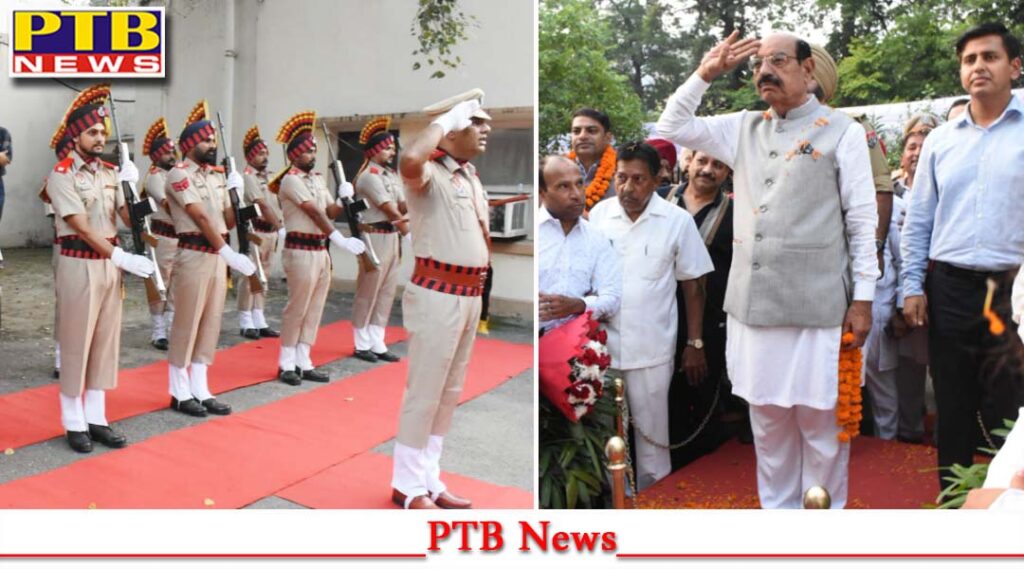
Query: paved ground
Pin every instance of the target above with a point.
(495, 432)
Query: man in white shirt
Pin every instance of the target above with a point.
(578, 269)
(659, 246)
(805, 215)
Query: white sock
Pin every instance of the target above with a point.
(286, 359)
(258, 320)
(302, 356)
(363, 338)
(159, 327)
(377, 332)
(56, 355)
(72, 414)
(178, 379)
(169, 319)
(408, 471)
(245, 319)
(95, 404)
(197, 382)
(432, 458)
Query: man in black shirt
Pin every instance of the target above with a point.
(694, 406)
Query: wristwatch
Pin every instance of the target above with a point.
(698, 343)
(879, 244)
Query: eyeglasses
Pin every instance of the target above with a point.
(776, 60)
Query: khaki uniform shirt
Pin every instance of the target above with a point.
(298, 187)
(378, 185)
(447, 213)
(89, 188)
(154, 186)
(876, 151)
(256, 189)
(189, 183)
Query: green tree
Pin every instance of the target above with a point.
(575, 72)
(438, 27)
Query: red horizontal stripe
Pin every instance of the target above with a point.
(27, 64)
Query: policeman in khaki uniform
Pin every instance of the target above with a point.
(252, 321)
(826, 80)
(197, 192)
(62, 145)
(160, 149)
(380, 186)
(441, 303)
(308, 209)
(85, 192)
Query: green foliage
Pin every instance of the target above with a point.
(963, 479)
(439, 26)
(572, 460)
(575, 72)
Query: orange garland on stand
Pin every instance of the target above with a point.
(849, 410)
(605, 169)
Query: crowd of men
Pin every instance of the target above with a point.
(781, 237)
(433, 204)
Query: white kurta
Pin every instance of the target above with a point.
(661, 247)
(777, 365)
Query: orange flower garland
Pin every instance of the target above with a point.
(599, 185)
(848, 406)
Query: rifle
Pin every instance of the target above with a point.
(368, 259)
(143, 242)
(243, 217)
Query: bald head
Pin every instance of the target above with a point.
(561, 188)
(783, 71)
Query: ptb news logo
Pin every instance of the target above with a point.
(88, 42)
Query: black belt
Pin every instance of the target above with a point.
(379, 227)
(959, 272)
(75, 246)
(262, 226)
(162, 228)
(197, 242)
(305, 241)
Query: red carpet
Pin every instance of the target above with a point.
(33, 415)
(883, 474)
(233, 461)
(364, 482)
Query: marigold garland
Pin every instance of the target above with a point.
(599, 185)
(849, 409)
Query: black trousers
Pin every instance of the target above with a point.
(689, 405)
(973, 370)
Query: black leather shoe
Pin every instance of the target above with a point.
(160, 344)
(386, 356)
(56, 373)
(269, 332)
(250, 333)
(188, 407)
(107, 436)
(216, 407)
(314, 375)
(79, 441)
(366, 356)
(289, 377)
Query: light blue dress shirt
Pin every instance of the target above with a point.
(967, 204)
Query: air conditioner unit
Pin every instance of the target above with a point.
(509, 221)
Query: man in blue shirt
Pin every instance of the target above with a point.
(965, 228)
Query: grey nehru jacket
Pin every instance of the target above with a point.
(791, 263)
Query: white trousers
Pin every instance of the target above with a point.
(798, 448)
(647, 394)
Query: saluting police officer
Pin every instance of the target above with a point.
(197, 192)
(383, 223)
(85, 192)
(308, 209)
(269, 227)
(441, 303)
(160, 149)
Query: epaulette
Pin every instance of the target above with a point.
(295, 171)
(374, 170)
(108, 164)
(180, 164)
(248, 170)
(64, 165)
(153, 168)
(217, 169)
